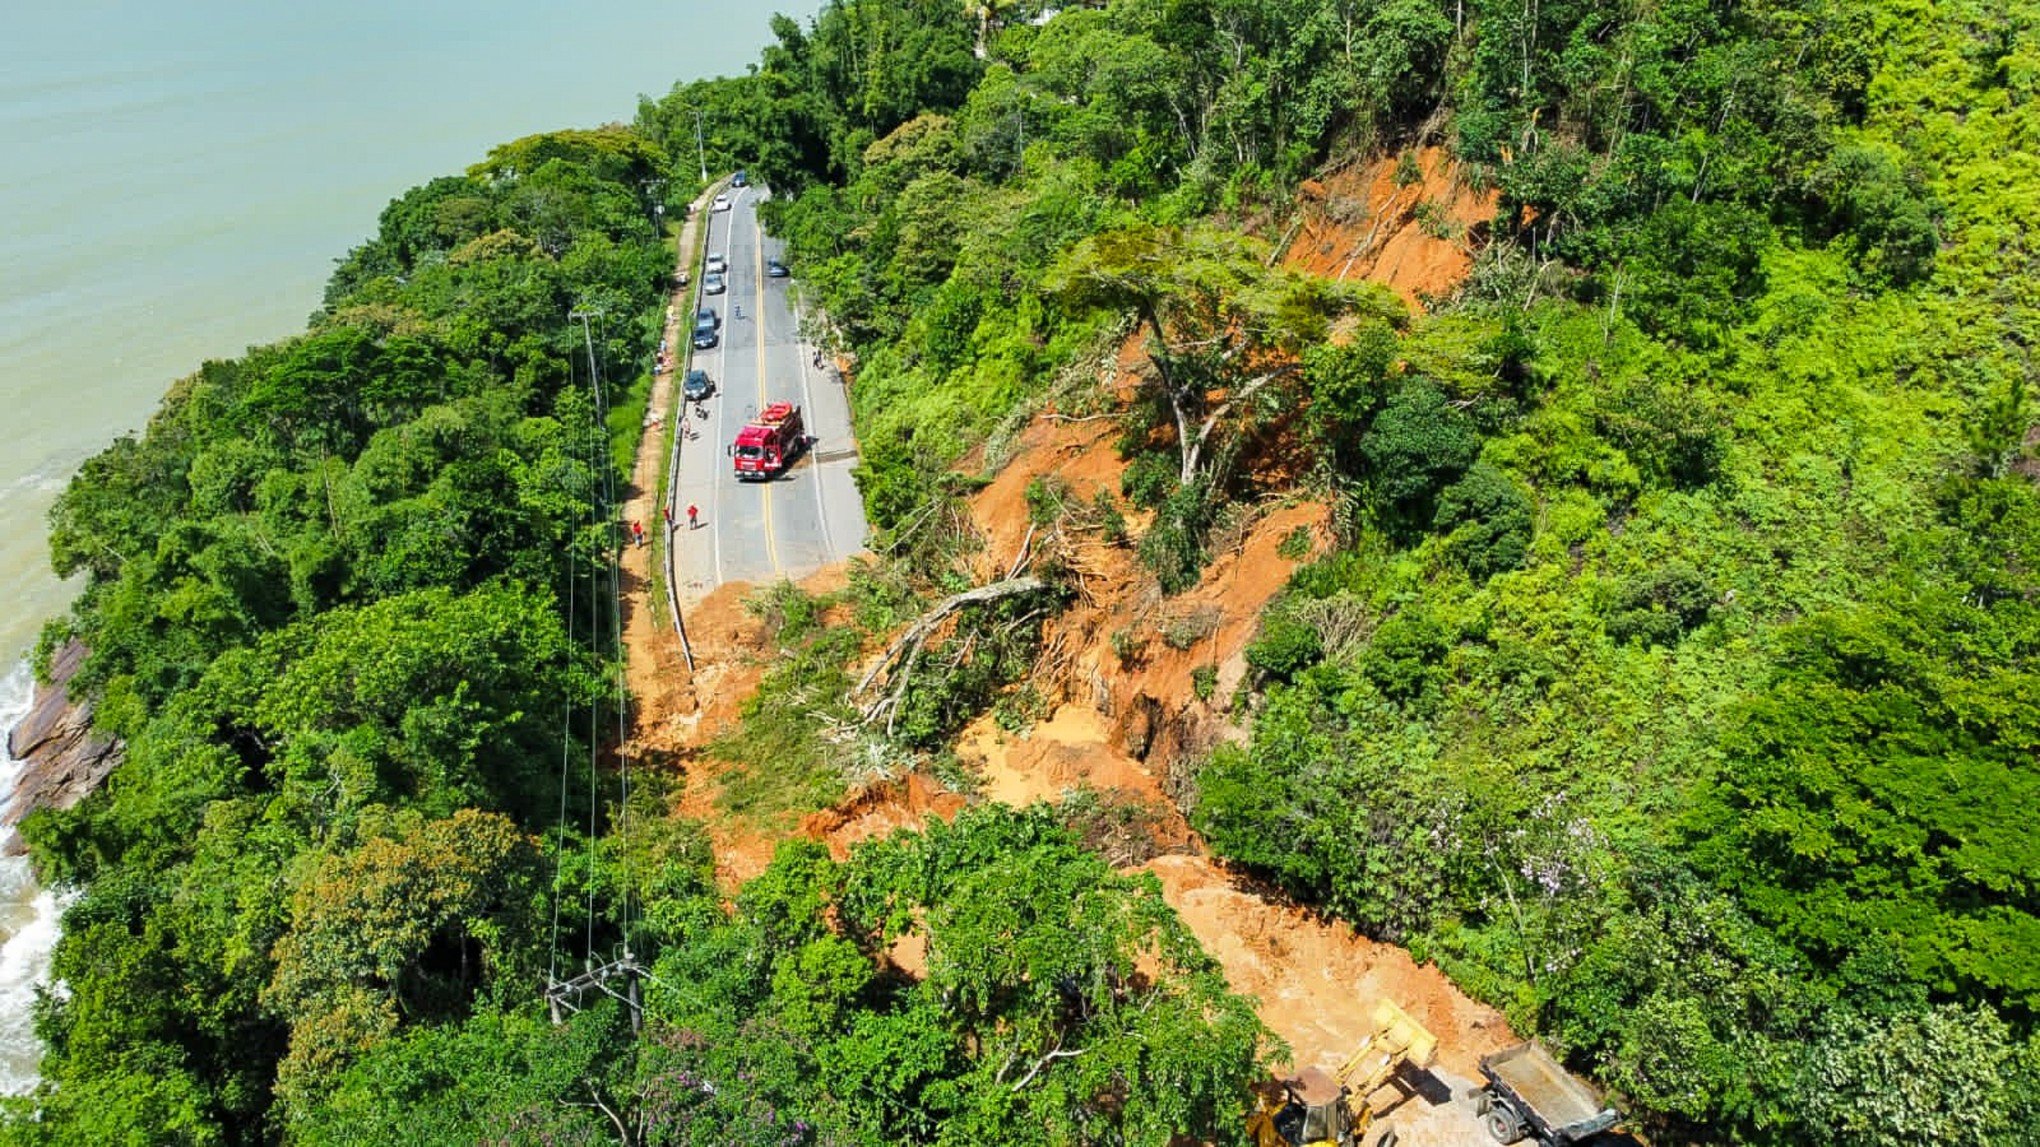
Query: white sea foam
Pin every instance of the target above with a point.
(28, 921)
(186, 173)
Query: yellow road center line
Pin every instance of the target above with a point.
(758, 320)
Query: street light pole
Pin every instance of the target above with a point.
(700, 151)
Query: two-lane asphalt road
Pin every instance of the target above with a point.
(810, 515)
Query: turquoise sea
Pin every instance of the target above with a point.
(176, 180)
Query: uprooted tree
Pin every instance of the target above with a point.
(1224, 327)
(900, 656)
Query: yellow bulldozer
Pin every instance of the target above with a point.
(1315, 1108)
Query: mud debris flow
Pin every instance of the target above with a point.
(1121, 729)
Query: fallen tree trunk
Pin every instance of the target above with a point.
(918, 632)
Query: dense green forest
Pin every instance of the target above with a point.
(349, 605)
(1669, 683)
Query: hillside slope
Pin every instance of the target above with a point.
(1632, 644)
(1651, 667)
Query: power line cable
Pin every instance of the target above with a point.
(599, 512)
(614, 600)
(622, 692)
(566, 766)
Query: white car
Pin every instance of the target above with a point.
(722, 202)
(717, 265)
(712, 284)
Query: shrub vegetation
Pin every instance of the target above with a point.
(1669, 682)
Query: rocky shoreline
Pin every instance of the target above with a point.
(63, 759)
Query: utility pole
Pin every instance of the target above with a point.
(564, 997)
(654, 192)
(700, 152)
(594, 372)
(601, 411)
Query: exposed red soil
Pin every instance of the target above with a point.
(729, 656)
(1419, 239)
(1316, 979)
(1119, 671)
(1147, 697)
(652, 649)
(878, 810)
(1123, 727)
(1069, 751)
(681, 709)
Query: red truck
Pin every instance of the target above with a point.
(769, 443)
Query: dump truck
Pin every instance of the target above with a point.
(1316, 1108)
(1529, 1094)
(769, 443)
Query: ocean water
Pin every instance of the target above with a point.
(176, 181)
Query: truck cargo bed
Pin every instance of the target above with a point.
(1557, 1098)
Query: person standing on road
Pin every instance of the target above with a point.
(693, 516)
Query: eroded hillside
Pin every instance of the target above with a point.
(1132, 686)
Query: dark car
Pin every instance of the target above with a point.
(739, 180)
(697, 386)
(774, 269)
(705, 322)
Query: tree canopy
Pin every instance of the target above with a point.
(1666, 679)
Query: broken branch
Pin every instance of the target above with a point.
(918, 632)
(1044, 1061)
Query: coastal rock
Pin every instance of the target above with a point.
(63, 759)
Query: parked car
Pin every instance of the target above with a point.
(722, 202)
(712, 284)
(705, 323)
(774, 269)
(697, 387)
(716, 265)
